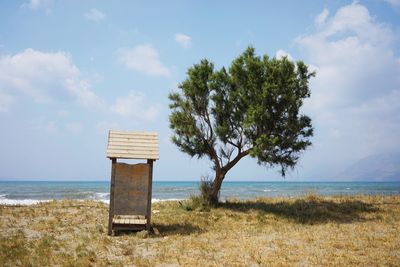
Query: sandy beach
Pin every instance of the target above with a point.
(307, 231)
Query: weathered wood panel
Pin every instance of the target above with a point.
(131, 189)
(132, 145)
(149, 193)
(112, 187)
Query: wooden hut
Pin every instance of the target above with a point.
(131, 184)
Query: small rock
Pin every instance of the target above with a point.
(156, 231)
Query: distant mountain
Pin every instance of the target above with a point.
(379, 168)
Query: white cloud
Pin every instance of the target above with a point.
(321, 18)
(355, 99)
(395, 3)
(43, 124)
(134, 105)
(83, 93)
(62, 113)
(94, 15)
(6, 101)
(183, 40)
(281, 53)
(104, 126)
(44, 77)
(38, 4)
(74, 127)
(51, 126)
(143, 58)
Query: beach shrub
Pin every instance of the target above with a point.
(251, 108)
(202, 201)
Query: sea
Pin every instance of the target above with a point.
(32, 192)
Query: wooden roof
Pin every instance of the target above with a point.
(132, 145)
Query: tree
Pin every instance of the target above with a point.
(253, 108)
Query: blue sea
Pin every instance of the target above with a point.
(31, 192)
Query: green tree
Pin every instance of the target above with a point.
(253, 108)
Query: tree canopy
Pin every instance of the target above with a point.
(252, 108)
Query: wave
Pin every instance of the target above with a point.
(155, 200)
(102, 195)
(24, 202)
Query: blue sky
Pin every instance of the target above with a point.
(71, 70)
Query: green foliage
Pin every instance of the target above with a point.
(197, 203)
(201, 202)
(205, 191)
(253, 108)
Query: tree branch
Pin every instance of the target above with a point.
(232, 163)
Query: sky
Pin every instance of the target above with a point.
(72, 70)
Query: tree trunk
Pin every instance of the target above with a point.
(216, 187)
(212, 196)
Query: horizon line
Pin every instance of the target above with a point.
(236, 181)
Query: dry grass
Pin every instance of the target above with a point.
(308, 231)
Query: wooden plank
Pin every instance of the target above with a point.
(131, 148)
(134, 135)
(129, 219)
(139, 221)
(138, 149)
(124, 137)
(129, 145)
(127, 153)
(133, 151)
(132, 141)
(122, 156)
(130, 133)
(152, 138)
(149, 191)
(132, 155)
(125, 143)
(139, 137)
(111, 207)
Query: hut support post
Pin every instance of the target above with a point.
(148, 225)
(111, 211)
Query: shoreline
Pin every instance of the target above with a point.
(31, 202)
(33, 192)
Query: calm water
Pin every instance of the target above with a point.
(21, 192)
